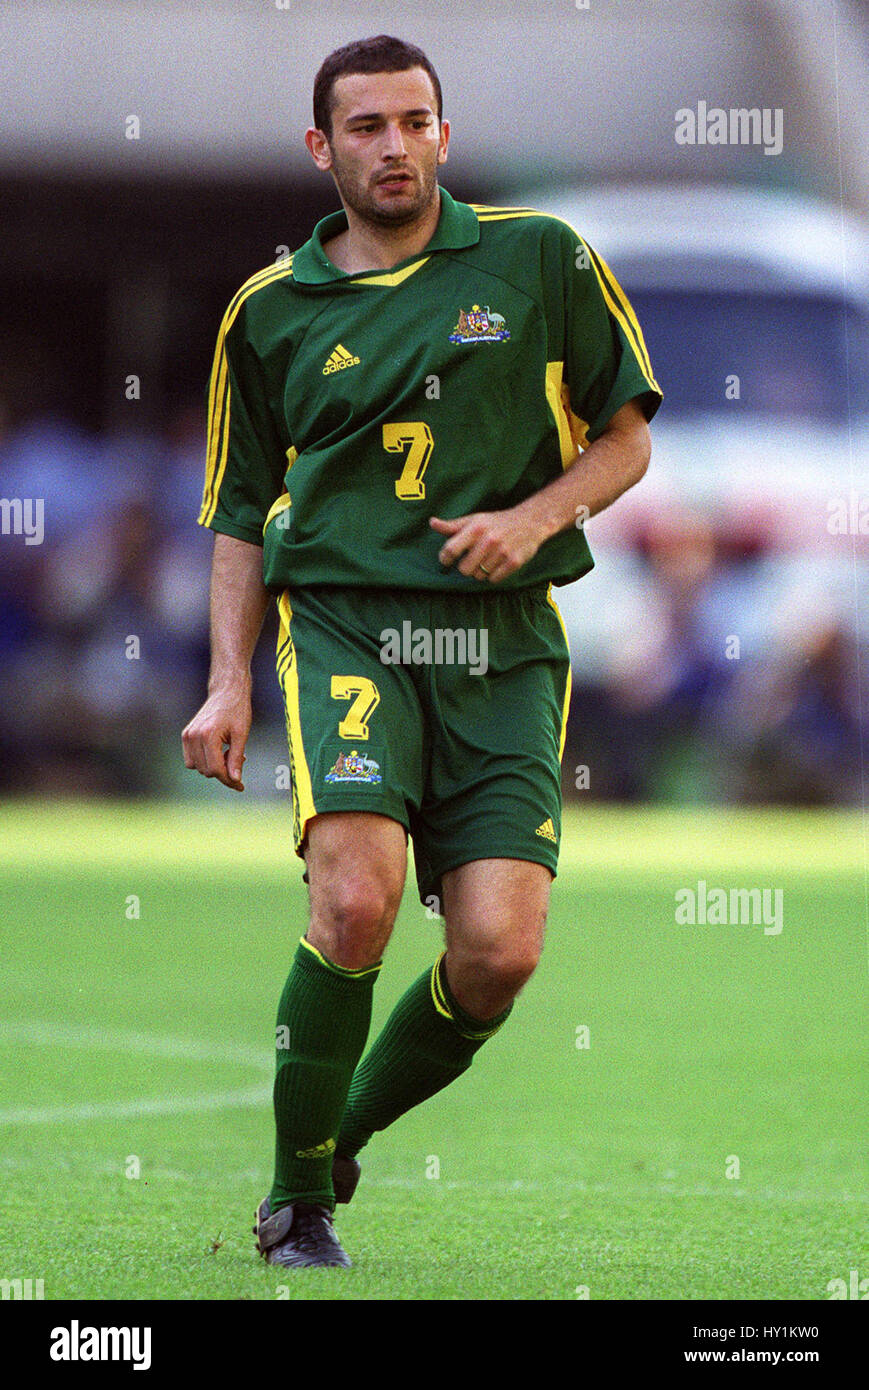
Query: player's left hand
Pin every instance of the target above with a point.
(493, 544)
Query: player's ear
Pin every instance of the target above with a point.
(444, 142)
(318, 148)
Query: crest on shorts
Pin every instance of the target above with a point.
(480, 325)
(353, 767)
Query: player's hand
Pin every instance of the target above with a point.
(490, 545)
(214, 739)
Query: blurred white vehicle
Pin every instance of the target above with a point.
(755, 309)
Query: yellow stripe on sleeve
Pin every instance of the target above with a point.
(623, 313)
(219, 392)
(616, 300)
(642, 352)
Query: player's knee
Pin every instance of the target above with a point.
(353, 924)
(508, 967)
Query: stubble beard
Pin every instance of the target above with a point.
(361, 201)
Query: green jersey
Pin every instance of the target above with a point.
(345, 410)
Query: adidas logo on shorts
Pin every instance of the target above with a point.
(547, 831)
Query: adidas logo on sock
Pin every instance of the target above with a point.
(318, 1150)
(338, 359)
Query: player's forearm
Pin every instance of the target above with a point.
(616, 460)
(239, 600)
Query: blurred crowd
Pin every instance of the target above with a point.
(104, 643)
(732, 677)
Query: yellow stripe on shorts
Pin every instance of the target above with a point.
(288, 675)
(567, 689)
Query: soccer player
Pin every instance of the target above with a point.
(410, 420)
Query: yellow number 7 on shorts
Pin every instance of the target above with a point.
(355, 725)
(396, 437)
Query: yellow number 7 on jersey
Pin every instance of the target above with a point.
(396, 438)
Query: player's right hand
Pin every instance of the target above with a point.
(214, 740)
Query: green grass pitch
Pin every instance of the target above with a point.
(705, 1144)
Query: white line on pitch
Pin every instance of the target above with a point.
(149, 1044)
(133, 1109)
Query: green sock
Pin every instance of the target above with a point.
(427, 1041)
(323, 1021)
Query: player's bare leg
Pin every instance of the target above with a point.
(356, 869)
(495, 912)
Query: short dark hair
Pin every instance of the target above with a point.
(380, 54)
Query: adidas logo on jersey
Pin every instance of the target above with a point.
(339, 359)
(547, 831)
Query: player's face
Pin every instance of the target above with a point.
(386, 144)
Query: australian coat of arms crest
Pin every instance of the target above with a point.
(480, 325)
(352, 767)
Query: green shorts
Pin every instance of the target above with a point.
(443, 711)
